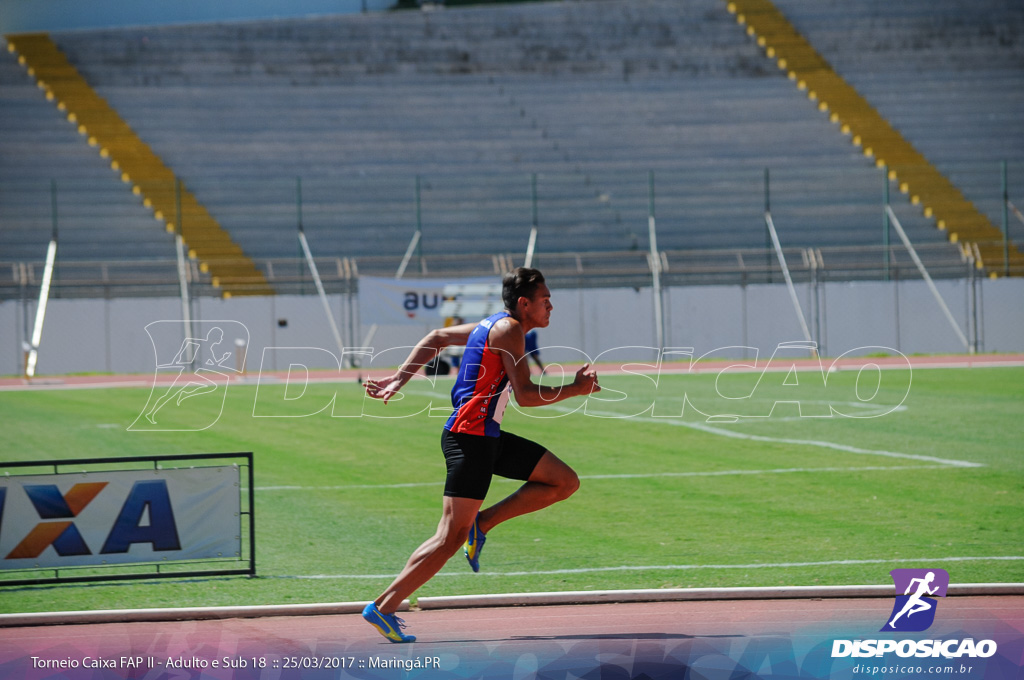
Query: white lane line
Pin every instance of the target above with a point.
(641, 475)
(722, 432)
(347, 487)
(670, 567)
(710, 429)
(867, 411)
(724, 473)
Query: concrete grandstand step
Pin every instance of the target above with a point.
(589, 96)
(875, 134)
(136, 162)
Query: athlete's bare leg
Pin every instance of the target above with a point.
(551, 481)
(456, 518)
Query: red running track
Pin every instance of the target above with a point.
(703, 639)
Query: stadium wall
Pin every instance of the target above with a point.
(23, 16)
(110, 336)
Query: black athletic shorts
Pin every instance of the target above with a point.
(472, 460)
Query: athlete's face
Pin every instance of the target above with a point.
(536, 311)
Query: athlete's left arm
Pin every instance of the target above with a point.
(422, 354)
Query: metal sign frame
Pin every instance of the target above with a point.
(147, 570)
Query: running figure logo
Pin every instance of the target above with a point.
(197, 369)
(914, 610)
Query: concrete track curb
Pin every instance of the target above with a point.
(500, 600)
(182, 614)
(696, 594)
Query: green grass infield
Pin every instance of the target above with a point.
(812, 483)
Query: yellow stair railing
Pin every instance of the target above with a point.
(917, 177)
(230, 269)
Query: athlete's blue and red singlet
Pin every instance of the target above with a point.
(479, 395)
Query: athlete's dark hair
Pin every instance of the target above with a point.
(520, 282)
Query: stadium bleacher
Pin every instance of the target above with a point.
(948, 75)
(95, 213)
(590, 97)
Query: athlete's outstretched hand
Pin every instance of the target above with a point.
(586, 380)
(385, 388)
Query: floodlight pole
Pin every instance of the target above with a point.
(298, 219)
(44, 290)
(659, 318)
(179, 242)
(320, 290)
(419, 223)
(414, 248)
(316, 273)
(1006, 223)
(767, 233)
(770, 225)
(532, 245)
(414, 243)
(928, 280)
(54, 221)
(885, 223)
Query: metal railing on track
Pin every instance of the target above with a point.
(292, 276)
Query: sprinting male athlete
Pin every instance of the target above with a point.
(473, 443)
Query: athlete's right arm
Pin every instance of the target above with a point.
(422, 354)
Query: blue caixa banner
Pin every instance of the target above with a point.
(95, 518)
(88, 520)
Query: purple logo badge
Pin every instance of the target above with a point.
(914, 610)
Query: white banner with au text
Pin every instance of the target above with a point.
(392, 302)
(123, 516)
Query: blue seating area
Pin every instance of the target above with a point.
(589, 97)
(48, 172)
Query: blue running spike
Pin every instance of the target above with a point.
(474, 544)
(388, 625)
